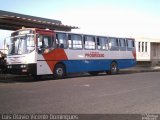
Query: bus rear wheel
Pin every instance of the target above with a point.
(113, 69)
(59, 71)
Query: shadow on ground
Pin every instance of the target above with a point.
(24, 79)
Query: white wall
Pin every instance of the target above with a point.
(143, 48)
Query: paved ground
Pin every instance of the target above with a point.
(122, 93)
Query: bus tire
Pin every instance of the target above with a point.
(113, 68)
(59, 71)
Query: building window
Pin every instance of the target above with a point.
(89, 42)
(139, 46)
(102, 43)
(146, 47)
(142, 46)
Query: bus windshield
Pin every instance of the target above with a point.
(21, 44)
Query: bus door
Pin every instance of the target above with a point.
(45, 44)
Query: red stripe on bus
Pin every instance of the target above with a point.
(54, 57)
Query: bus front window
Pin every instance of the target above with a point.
(21, 45)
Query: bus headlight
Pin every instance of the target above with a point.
(9, 66)
(23, 66)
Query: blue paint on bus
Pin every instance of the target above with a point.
(73, 66)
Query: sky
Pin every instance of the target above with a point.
(119, 18)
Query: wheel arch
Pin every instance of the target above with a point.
(115, 61)
(111, 71)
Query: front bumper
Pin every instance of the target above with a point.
(21, 69)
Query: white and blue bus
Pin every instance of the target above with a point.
(43, 52)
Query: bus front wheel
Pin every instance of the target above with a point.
(59, 71)
(113, 69)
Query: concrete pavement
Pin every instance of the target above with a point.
(113, 94)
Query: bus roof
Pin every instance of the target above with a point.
(93, 35)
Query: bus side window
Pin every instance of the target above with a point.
(77, 41)
(102, 43)
(69, 42)
(44, 43)
(62, 40)
(130, 44)
(113, 44)
(122, 44)
(89, 42)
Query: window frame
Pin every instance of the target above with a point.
(130, 48)
(122, 48)
(70, 35)
(113, 48)
(41, 37)
(106, 47)
(66, 38)
(84, 39)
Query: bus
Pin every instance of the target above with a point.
(37, 52)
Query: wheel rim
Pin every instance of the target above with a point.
(59, 71)
(114, 68)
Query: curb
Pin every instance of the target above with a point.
(139, 70)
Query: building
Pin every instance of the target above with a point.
(15, 21)
(148, 50)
